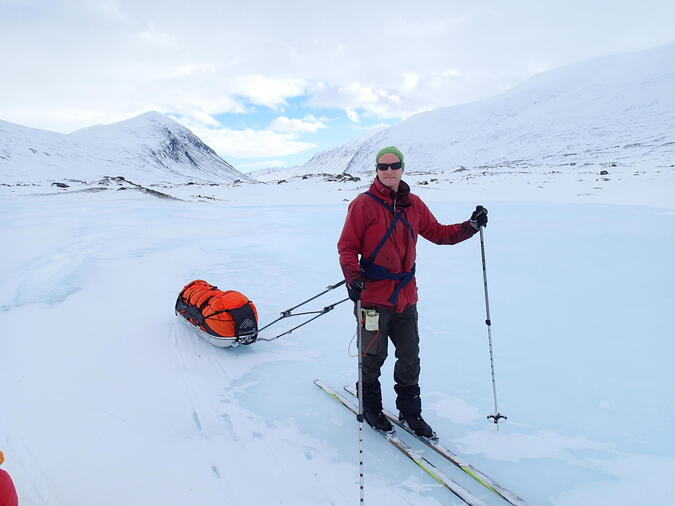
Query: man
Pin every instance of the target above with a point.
(8, 495)
(381, 228)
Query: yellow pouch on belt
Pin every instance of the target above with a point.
(371, 319)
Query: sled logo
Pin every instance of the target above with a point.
(247, 324)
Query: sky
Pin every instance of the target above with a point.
(272, 83)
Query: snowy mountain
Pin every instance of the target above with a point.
(150, 148)
(332, 161)
(616, 109)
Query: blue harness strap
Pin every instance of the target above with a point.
(373, 271)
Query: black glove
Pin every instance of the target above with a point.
(479, 218)
(354, 289)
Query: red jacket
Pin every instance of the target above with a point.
(8, 495)
(366, 224)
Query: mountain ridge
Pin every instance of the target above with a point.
(618, 108)
(149, 148)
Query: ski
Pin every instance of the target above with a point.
(477, 475)
(406, 450)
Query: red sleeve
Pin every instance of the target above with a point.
(8, 495)
(350, 243)
(433, 231)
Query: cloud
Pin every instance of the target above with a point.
(152, 36)
(69, 64)
(372, 128)
(352, 115)
(452, 73)
(248, 142)
(308, 124)
(268, 91)
(410, 81)
(183, 70)
(280, 138)
(262, 164)
(356, 96)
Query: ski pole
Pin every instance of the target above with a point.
(497, 415)
(359, 417)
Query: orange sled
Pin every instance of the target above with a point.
(223, 318)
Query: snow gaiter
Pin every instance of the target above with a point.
(408, 400)
(372, 397)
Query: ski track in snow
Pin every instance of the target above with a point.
(98, 380)
(197, 415)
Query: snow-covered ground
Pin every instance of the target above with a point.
(106, 399)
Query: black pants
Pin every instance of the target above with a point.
(401, 328)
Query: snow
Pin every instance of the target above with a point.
(107, 399)
(106, 395)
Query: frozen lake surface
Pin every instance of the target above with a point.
(106, 399)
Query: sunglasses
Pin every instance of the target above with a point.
(387, 166)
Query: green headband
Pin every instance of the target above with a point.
(389, 149)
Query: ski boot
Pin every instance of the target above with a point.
(417, 424)
(378, 421)
(372, 407)
(409, 407)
